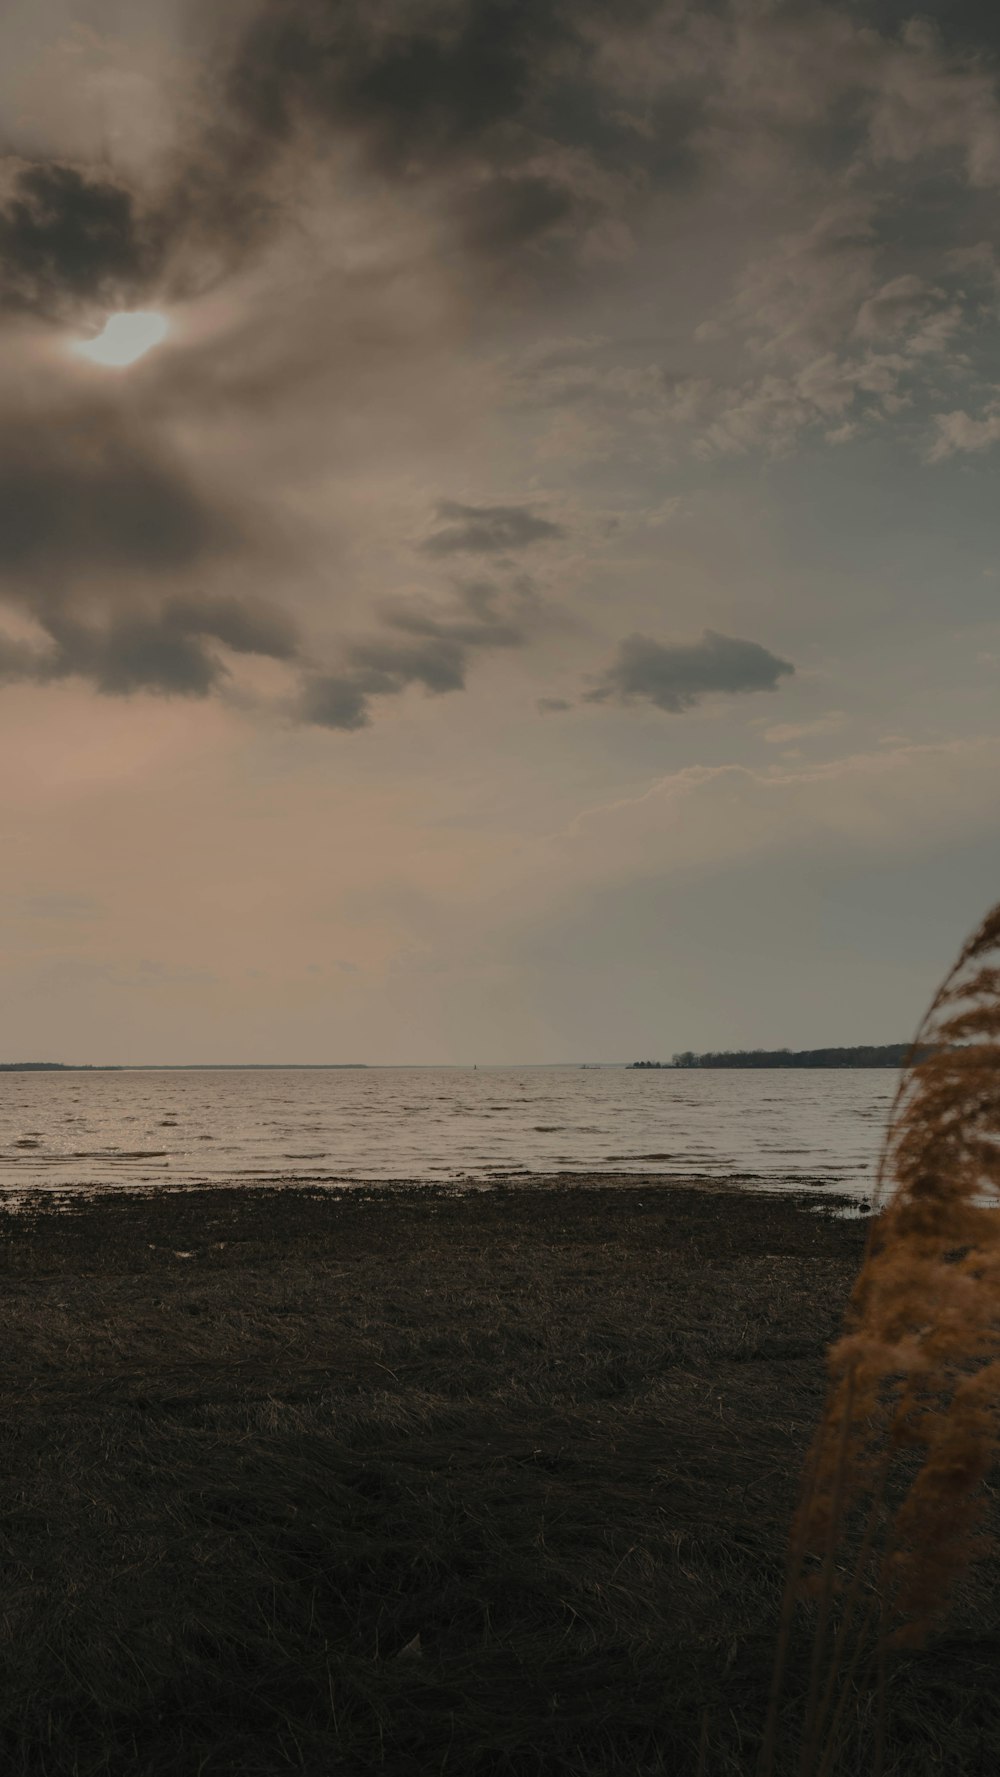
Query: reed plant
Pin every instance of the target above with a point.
(895, 1501)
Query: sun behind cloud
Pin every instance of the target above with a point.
(124, 339)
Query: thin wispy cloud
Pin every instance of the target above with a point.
(487, 530)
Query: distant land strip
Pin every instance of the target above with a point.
(862, 1055)
(172, 1067)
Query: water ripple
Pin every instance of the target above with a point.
(779, 1127)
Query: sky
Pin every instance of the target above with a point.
(540, 598)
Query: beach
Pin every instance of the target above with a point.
(408, 1480)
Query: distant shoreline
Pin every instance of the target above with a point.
(887, 1055)
(175, 1067)
(861, 1055)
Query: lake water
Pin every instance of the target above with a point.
(781, 1127)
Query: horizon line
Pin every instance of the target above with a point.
(97, 1067)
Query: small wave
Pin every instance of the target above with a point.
(135, 1154)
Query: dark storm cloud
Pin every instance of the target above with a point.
(68, 237)
(169, 649)
(418, 83)
(418, 648)
(134, 653)
(496, 108)
(507, 114)
(83, 487)
(19, 661)
(488, 617)
(461, 93)
(95, 515)
(165, 648)
(488, 530)
(99, 522)
(960, 24)
(501, 122)
(503, 111)
(334, 700)
(503, 214)
(675, 676)
(437, 662)
(248, 626)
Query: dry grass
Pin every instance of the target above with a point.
(556, 1434)
(897, 1498)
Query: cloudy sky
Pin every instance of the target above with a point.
(541, 598)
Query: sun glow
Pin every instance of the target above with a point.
(124, 338)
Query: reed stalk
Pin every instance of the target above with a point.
(893, 1507)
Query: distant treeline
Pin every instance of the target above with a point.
(863, 1055)
(39, 1067)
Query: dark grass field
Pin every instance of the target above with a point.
(411, 1482)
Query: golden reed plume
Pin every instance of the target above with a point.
(893, 1505)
